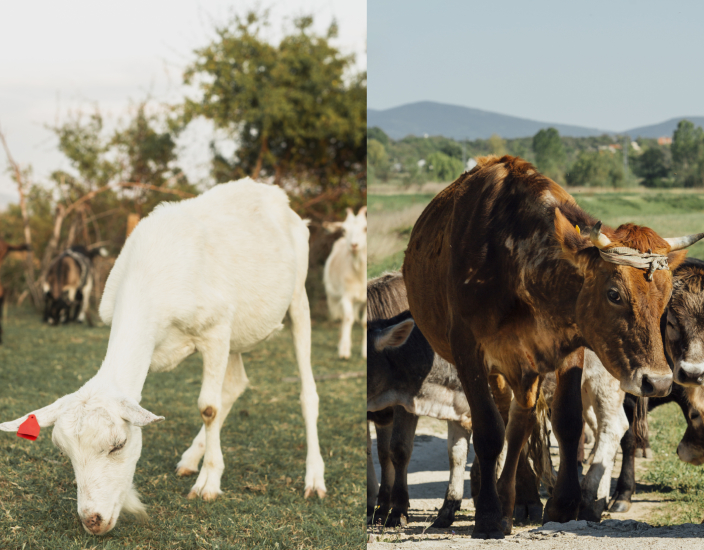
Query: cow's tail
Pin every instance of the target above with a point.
(539, 445)
(640, 423)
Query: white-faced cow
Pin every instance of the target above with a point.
(215, 274)
(5, 249)
(505, 272)
(69, 284)
(345, 278)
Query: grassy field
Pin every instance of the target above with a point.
(670, 213)
(263, 442)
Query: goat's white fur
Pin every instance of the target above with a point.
(345, 278)
(216, 274)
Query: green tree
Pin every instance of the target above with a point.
(597, 169)
(688, 154)
(294, 108)
(497, 145)
(379, 135)
(653, 167)
(548, 149)
(443, 167)
(377, 159)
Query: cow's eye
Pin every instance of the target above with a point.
(613, 296)
(117, 447)
(693, 415)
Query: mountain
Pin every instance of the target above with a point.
(664, 128)
(453, 121)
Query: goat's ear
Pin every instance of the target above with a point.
(362, 212)
(131, 411)
(45, 416)
(331, 227)
(395, 335)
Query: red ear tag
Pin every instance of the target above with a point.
(29, 429)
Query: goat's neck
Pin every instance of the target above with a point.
(130, 348)
(359, 261)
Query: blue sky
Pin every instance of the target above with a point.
(610, 65)
(57, 56)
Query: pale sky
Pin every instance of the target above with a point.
(70, 54)
(612, 65)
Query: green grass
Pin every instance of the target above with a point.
(671, 214)
(263, 441)
(681, 483)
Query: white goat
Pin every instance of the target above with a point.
(345, 278)
(215, 274)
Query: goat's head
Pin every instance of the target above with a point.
(354, 229)
(100, 432)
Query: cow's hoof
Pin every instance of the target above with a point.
(396, 520)
(446, 515)
(525, 513)
(476, 534)
(487, 528)
(561, 512)
(535, 512)
(591, 511)
(620, 506)
(506, 525)
(520, 513)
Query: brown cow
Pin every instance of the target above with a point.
(5, 249)
(504, 271)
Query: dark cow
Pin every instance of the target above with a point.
(5, 249)
(505, 272)
(406, 380)
(68, 285)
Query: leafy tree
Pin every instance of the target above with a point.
(293, 108)
(688, 154)
(597, 169)
(548, 149)
(443, 167)
(379, 135)
(653, 166)
(377, 159)
(497, 145)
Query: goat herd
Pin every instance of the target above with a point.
(515, 315)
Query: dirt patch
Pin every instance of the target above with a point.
(428, 475)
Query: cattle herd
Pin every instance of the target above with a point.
(516, 314)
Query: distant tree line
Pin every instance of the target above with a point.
(590, 161)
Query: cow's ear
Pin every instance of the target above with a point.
(131, 411)
(395, 335)
(675, 259)
(571, 240)
(46, 416)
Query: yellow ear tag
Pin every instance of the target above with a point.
(577, 228)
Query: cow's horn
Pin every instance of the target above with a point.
(678, 243)
(598, 238)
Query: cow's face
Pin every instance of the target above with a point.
(354, 229)
(685, 326)
(101, 435)
(619, 309)
(691, 447)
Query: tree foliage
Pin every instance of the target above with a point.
(597, 169)
(654, 167)
(443, 167)
(293, 108)
(688, 154)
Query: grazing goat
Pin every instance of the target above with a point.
(345, 278)
(5, 249)
(69, 284)
(215, 274)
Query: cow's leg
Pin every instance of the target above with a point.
(626, 485)
(344, 349)
(528, 506)
(563, 505)
(364, 329)
(402, 436)
(299, 311)
(607, 420)
(234, 384)
(388, 474)
(215, 361)
(520, 424)
(487, 424)
(372, 483)
(457, 447)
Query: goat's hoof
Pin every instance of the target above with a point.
(182, 471)
(648, 453)
(309, 492)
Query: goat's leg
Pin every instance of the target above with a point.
(215, 360)
(234, 385)
(85, 300)
(299, 312)
(344, 348)
(457, 447)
